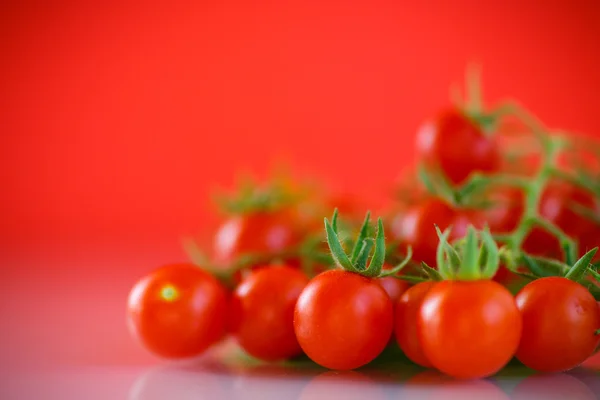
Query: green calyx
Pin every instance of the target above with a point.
(368, 253)
(475, 257)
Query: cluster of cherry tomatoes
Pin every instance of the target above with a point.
(491, 257)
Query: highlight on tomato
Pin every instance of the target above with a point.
(337, 311)
(469, 326)
(262, 312)
(561, 305)
(178, 311)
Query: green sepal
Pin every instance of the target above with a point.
(364, 232)
(444, 266)
(534, 267)
(492, 260)
(578, 270)
(363, 255)
(400, 266)
(432, 273)
(469, 268)
(337, 250)
(594, 273)
(378, 258)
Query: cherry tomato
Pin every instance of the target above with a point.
(416, 227)
(408, 308)
(257, 233)
(262, 312)
(560, 318)
(457, 145)
(343, 320)
(394, 287)
(469, 329)
(507, 209)
(178, 311)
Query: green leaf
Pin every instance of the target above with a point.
(378, 258)
(534, 267)
(469, 269)
(364, 231)
(578, 270)
(363, 255)
(337, 250)
(400, 266)
(410, 278)
(492, 262)
(431, 272)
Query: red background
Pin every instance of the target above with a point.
(117, 120)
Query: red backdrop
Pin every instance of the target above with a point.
(116, 120)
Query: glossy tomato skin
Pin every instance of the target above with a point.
(336, 316)
(257, 233)
(457, 145)
(469, 329)
(178, 311)
(416, 227)
(560, 318)
(394, 287)
(407, 312)
(262, 312)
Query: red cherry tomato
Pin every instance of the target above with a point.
(262, 312)
(178, 311)
(416, 227)
(469, 330)
(560, 318)
(507, 209)
(394, 287)
(257, 233)
(408, 308)
(335, 318)
(457, 145)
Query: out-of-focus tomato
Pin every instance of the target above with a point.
(416, 227)
(458, 145)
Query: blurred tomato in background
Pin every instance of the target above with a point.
(117, 119)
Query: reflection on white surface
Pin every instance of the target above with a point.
(213, 380)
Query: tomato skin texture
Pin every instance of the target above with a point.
(560, 318)
(416, 227)
(335, 316)
(469, 329)
(262, 312)
(178, 311)
(457, 145)
(407, 311)
(256, 233)
(394, 287)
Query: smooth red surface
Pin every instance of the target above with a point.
(117, 118)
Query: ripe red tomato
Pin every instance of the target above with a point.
(560, 318)
(469, 329)
(256, 233)
(262, 312)
(394, 287)
(507, 209)
(178, 311)
(343, 320)
(457, 145)
(408, 307)
(416, 227)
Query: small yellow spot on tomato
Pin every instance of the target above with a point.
(169, 293)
